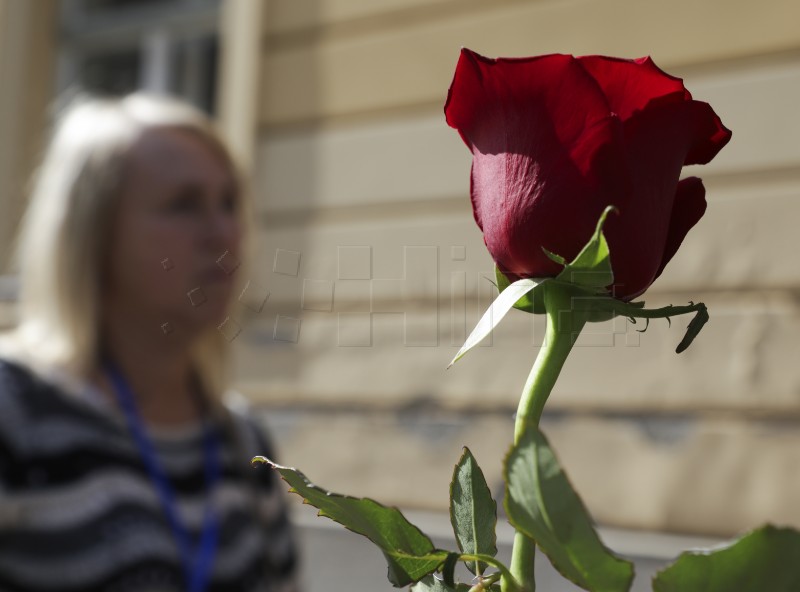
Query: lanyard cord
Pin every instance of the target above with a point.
(197, 563)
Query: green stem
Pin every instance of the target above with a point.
(696, 324)
(523, 554)
(564, 324)
(631, 310)
(513, 586)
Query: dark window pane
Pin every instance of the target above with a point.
(112, 4)
(196, 62)
(209, 89)
(111, 73)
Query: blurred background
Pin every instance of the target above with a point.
(369, 272)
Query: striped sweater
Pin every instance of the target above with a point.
(78, 511)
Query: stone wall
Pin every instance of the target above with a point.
(369, 271)
(376, 272)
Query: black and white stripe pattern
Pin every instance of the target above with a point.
(78, 511)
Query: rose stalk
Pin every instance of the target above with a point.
(559, 338)
(557, 140)
(575, 185)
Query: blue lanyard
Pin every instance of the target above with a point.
(197, 562)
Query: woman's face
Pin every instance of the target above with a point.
(176, 236)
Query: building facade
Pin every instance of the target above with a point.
(368, 271)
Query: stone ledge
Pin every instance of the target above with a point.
(743, 361)
(414, 64)
(712, 477)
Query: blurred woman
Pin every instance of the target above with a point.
(121, 469)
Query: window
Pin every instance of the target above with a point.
(118, 46)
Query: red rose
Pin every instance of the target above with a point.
(555, 139)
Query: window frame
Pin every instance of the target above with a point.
(154, 30)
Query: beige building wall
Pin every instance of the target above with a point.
(371, 271)
(27, 46)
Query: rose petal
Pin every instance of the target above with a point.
(631, 85)
(522, 91)
(710, 135)
(659, 141)
(531, 148)
(556, 139)
(656, 143)
(689, 207)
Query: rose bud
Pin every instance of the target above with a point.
(555, 139)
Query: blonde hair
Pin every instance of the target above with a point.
(64, 233)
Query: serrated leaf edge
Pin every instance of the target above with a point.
(434, 555)
(467, 454)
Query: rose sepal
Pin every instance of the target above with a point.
(590, 271)
(584, 280)
(588, 276)
(496, 311)
(585, 277)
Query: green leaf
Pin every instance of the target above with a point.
(592, 266)
(764, 560)
(542, 505)
(434, 584)
(473, 511)
(499, 308)
(410, 554)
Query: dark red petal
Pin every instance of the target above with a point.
(709, 133)
(631, 85)
(690, 205)
(535, 91)
(534, 126)
(656, 143)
